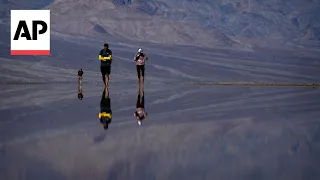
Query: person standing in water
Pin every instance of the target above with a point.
(140, 113)
(105, 114)
(140, 59)
(105, 56)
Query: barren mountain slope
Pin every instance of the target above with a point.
(7, 5)
(104, 17)
(200, 22)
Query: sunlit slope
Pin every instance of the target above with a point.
(206, 23)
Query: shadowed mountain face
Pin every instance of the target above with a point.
(7, 5)
(198, 22)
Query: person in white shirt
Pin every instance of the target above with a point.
(140, 59)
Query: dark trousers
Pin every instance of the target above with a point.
(140, 70)
(140, 104)
(105, 70)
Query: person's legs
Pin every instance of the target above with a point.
(142, 102)
(142, 89)
(103, 73)
(106, 94)
(80, 79)
(138, 101)
(107, 80)
(142, 73)
(138, 73)
(108, 71)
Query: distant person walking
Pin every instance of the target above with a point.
(140, 59)
(105, 56)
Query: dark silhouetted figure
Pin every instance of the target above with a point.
(105, 56)
(80, 73)
(80, 95)
(140, 113)
(105, 114)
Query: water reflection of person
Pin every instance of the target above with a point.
(105, 114)
(140, 113)
(80, 95)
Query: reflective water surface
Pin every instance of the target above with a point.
(189, 133)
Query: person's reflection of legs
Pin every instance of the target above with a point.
(136, 115)
(80, 95)
(139, 113)
(138, 99)
(142, 89)
(106, 94)
(106, 97)
(142, 98)
(142, 104)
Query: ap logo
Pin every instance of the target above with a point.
(30, 32)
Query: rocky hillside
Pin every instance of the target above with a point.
(201, 22)
(132, 21)
(224, 23)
